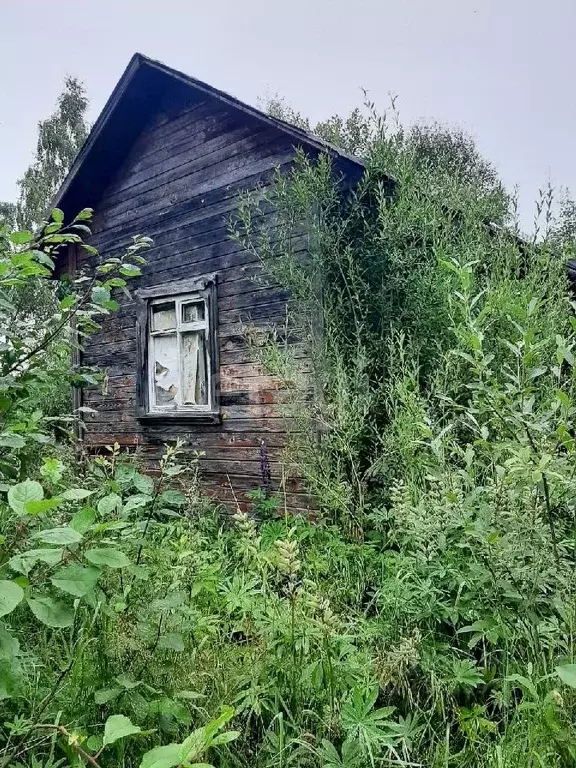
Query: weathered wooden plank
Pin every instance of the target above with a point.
(195, 206)
(218, 150)
(192, 151)
(233, 169)
(157, 136)
(189, 175)
(165, 431)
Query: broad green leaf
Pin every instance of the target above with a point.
(117, 727)
(194, 745)
(9, 645)
(75, 579)
(104, 695)
(41, 506)
(51, 612)
(125, 474)
(10, 440)
(19, 495)
(172, 641)
(113, 558)
(63, 536)
(10, 596)
(76, 494)
(83, 519)
(84, 215)
(57, 215)
(25, 561)
(129, 270)
(567, 673)
(172, 498)
(94, 743)
(144, 484)
(172, 600)
(127, 682)
(162, 757)
(225, 738)
(136, 501)
(19, 238)
(170, 708)
(109, 503)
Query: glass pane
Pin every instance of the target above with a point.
(163, 316)
(194, 368)
(193, 312)
(166, 374)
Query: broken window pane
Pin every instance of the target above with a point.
(163, 316)
(194, 368)
(166, 374)
(193, 312)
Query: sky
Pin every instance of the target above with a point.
(502, 70)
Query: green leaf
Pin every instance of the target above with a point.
(9, 645)
(51, 612)
(19, 238)
(63, 536)
(172, 641)
(75, 579)
(25, 561)
(109, 503)
(84, 215)
(67, 302)
(83, 519)
(58, 215)
(567, 673)
(10, 596)
(118, 727)
(10, 440)
(39, 507)
(113, 558)
(136, 501)
(194, 745)
(104, 695)
(129, 270)
(162, 757)
(173, 498)
(19, 495)
(225, 738)
(144, 484)
(76, 494)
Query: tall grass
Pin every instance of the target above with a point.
(425, 617)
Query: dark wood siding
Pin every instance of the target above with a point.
(180, 185)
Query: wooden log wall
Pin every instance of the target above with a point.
(180, 185)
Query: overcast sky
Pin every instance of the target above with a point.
(503, 70)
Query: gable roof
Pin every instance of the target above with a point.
(136, 94)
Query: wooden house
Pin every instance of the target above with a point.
(169, 157)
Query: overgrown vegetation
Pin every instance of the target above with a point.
(425, 617)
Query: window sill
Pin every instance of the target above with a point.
(196, 417)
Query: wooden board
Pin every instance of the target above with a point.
(181, 184)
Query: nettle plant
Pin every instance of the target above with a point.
(69, 556)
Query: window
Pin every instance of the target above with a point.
(177, 349)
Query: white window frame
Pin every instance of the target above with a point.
(181, 327)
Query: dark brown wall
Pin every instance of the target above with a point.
(180, 186)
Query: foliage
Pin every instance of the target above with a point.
(59, 139)
(426, 616)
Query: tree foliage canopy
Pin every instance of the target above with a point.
(60, 136)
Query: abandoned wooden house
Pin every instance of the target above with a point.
(169, 157)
